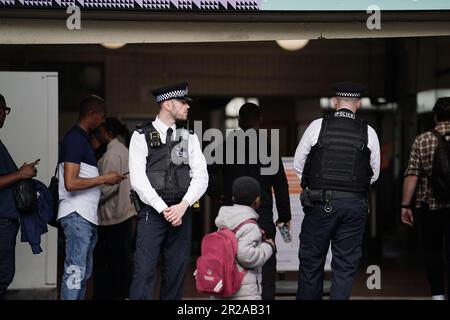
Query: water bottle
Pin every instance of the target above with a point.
(284, 231)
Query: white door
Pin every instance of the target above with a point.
(31, 132)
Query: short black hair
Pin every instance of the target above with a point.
(245, 190)
(92, 103)
(442, 109)
(249, 115)
(117, 128)
(114, 126)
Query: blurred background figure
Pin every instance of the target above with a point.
(432, 201)
(113, 253)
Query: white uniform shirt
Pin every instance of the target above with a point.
(138, 162)
(310, 137)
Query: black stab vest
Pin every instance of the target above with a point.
(167, 166)
(340, 160)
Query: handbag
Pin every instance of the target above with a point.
(53, 188)
(25, 195)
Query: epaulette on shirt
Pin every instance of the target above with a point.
(142, 127)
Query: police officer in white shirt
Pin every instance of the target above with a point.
(336, 160)
(168, 173)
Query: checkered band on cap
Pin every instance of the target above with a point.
(348, 94)
(171, 95)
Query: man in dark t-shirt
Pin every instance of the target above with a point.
(79, 196)
(9, 215)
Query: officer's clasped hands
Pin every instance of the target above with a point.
(175, 213)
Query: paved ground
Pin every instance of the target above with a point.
(400, 279)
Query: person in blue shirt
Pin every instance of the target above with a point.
(9, 215)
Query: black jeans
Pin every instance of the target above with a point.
(344, 227)
(435, 227)
(8, 234)
(113, 261)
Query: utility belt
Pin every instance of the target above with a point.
(139, 205)
(309, 198)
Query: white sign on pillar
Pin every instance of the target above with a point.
(31, 132)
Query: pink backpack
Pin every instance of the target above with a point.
(217, 270)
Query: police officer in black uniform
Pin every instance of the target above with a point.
(336, 160)
(168, 175)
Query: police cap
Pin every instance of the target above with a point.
(176, 91)
(348, 89)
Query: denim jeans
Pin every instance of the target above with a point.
(81, 237)
(8, 234)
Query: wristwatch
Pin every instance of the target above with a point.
(406, 206)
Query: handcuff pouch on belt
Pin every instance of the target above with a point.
(136, 201)
(309, 198)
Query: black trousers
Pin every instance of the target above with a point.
(8, 233)
(269, 269)
(435, 227)
(113, 261)
(155, 237)
(344, 227)
(269, 273)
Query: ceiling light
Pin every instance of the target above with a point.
(113, 45)
(292, 45)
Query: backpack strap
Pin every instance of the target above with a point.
(437, 135)
(243, 224)
(56, 171)
(440, 137)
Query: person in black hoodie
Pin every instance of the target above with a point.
(250, 119)
(9, 214)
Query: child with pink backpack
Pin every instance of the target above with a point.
(232, 257)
